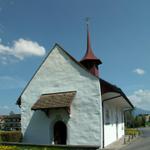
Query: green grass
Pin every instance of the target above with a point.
(13, 146)
(29, 148)
(37, 148)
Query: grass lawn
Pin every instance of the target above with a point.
(39, 147)
(29, 148)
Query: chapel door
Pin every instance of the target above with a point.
(60, 133)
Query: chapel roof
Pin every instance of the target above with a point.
(54, 100)
(105, 86)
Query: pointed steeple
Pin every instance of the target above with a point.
(90, 61)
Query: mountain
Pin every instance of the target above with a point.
(138, 111)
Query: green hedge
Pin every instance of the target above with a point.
(132, 131)
(10, 136)
(147, 124)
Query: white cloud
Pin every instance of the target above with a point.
(23, 48)
(19, 50)
(139, 71)
(141, 99)
(8, 82)
(6, 109)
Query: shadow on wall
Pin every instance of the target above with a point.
(40, 129)
(37, 131)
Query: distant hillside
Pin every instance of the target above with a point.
(138, 111)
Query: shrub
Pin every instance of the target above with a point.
(132, 131)
(10, 136)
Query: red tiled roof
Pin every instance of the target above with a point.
(54, 100)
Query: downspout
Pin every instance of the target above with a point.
(103, 114)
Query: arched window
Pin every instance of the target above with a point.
(60, 133)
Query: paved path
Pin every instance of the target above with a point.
(142, 143)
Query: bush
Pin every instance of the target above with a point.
(139, 121)
(10, 136)
(132, 131)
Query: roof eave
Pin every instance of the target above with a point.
(117, 90)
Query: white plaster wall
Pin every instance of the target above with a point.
(120, 123)
(111, 131)
(58, 74)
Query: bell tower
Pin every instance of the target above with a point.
(90, 61)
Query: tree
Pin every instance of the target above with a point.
(139, 121)
(11, 113)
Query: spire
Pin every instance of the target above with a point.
(90, 61)
(89, 55)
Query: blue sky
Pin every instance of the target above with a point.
(120, 37)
